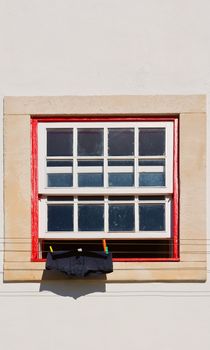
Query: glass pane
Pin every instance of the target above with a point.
(59, 173)
(151, 198)
(90, 173)
(60, 198)
(90, 180)
(60, 217)
(90, 163)
(151, 142)
(121, 173)
(91, 217)
(152, 217)
(121, 142)
(152, 179)
(152, 162)
(152, 173)
(59, 142)
(121, 198)
(90, 142)
(59, 180)
(121, 180)
(59, 163)
(121, 217)
(121, 163)
(90, 198)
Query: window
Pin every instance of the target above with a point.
(111, 180)
(171, 258)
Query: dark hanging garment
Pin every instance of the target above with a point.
(80, 264)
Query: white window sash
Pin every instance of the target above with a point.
(105, 191)
(74, 190)
(75, 234)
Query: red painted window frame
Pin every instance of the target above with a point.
(34, 177)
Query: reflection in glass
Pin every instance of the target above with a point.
(90, 180)
(152, 162)
(90, 163)
(121, 173)
(59, 180)
(121, 163)
(59, 198)
(121, 217)
(59, 163)
(91, 217)
(152, 179)
(90, 142)
(91, 198)
(59, 142)
(152, 217)
(151, 198)
(90, 173)
(151, 141)
(121, 180)
(59, 173)
(152, 173)
(121, 198)
(121, 142)
(60, 217)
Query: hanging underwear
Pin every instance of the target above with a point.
(80, 264)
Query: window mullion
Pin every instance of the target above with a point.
(106, 215)
(75, 214)
(167, 214)
(136, 165)
(75, 167)
(136, 214)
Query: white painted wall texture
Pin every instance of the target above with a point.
(104, 47)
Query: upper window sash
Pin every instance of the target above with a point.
(105, 166)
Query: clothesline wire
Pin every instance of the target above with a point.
(3, 239)
(131, 269)
(113, 251)
(92, 242)
(109, 296)
(121, 291)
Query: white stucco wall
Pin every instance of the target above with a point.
(104, 47)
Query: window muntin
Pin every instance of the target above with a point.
(108, 157)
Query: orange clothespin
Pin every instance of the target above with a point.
(105, 247)
(51, 249)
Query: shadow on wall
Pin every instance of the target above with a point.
(62, 285)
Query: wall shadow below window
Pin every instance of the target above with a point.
(62, 285)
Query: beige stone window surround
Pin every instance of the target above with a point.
(191, 111)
